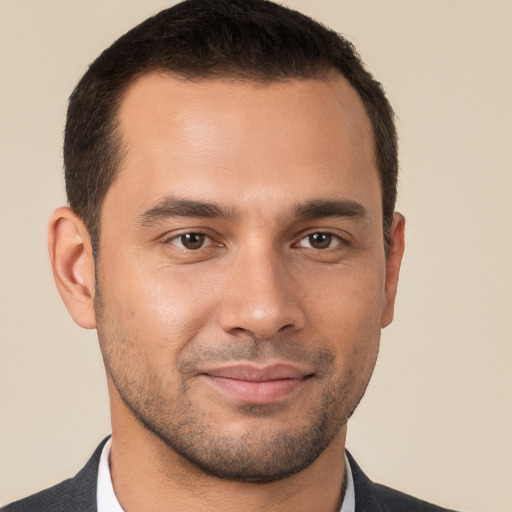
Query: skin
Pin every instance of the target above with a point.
(266, 278)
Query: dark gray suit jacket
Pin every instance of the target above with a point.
(78, 494)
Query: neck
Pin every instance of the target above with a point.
(149, 475)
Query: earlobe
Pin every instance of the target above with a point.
(393, 262)
(72, 262)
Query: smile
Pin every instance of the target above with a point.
(257, 385)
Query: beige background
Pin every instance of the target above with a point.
(437, 418)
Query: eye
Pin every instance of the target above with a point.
(191, 241)
(320, 241)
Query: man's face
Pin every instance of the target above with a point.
(241, 276)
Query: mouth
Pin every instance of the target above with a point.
(258, 385)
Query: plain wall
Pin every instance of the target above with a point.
(437, 417)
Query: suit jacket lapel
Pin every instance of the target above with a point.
(365, 498)
(84, 484)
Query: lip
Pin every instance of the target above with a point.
(255, 384)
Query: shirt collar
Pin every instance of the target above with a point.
(105, 495)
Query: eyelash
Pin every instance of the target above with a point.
(173, 240)
(333, 237)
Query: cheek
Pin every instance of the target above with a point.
(163, 306)
(347, 301)
(347, 313)
(139, 353)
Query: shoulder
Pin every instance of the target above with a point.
(78, 493)
(53, 499)
(397, 501)
(373, 497)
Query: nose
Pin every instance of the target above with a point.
(260, 297)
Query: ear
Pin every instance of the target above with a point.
(72, 262)
(393, 262)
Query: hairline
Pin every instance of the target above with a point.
(118, 147)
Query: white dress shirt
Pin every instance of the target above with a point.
(105, 495)
(107, 500)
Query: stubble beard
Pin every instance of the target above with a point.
(257, 454)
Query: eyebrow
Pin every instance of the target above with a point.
(171, 206)
(176, 207)
(322, 208)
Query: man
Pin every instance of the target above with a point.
(231, 173)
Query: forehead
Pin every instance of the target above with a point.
(222, 140)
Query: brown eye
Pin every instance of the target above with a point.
(191, 241)
(319, 241)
